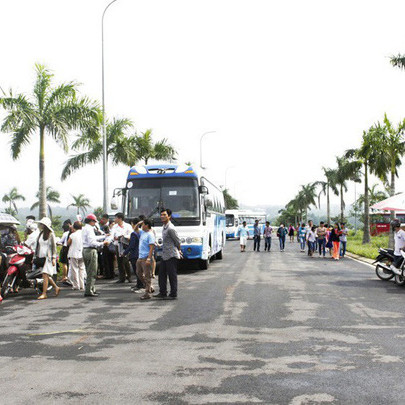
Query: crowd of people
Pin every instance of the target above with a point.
(321, 238)
(94, 249)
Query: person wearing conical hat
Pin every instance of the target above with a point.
(45, 256)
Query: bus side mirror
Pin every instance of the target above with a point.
(115, 198)
(114, 203)
(208, 203)
(203, 189)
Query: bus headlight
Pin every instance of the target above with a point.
(189, 240)
(196, 240)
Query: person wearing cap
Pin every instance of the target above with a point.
(90, 244)
(399, 239)
(32, 233)
(45, 256)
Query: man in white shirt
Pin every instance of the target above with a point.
(32, 233)
(399, 238)
(90, 244)
(120, 236)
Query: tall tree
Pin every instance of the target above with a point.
(51, 110)
(231, 203)
(326, 187)
(11, 198)
(121, 148)
(346, 171)
(52, 196)
(368, 155)
(308, 196)
(147, 150)
(81, 203)
(391, 148)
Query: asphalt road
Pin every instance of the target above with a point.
(273, 328)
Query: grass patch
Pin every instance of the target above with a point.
(370, 250)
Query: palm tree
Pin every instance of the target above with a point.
(346, 170)
(146, 149)
(52, 196)
(326, 187)
(11, 198)
(391, 147)
(51, 110)
(121, 148)
(81, 203)
(398, 61)
(308, 194)
(369, 156)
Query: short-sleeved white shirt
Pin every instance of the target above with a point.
(399, 238)
(76, 248)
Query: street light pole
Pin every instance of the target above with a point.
(201, 138)
(104, 133)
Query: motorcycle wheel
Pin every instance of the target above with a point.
(382, 274)
(7, 285)
(399, 280)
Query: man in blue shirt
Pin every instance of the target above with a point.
(256, 236)
(144, 264)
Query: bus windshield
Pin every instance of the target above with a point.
(148, 196)
(230, 219)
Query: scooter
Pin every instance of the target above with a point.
(400, 278)
(384, 261)
(20, 273)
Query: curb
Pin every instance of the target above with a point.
(360, 258)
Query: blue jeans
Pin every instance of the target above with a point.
(342, 248)
(282, 242)
(256, 242)
(302, 242)
(267, 244)
(322, 246)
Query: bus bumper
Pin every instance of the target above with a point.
(190, 252)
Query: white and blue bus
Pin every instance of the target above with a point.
(198, 207)
(232, 223)
(250, 217)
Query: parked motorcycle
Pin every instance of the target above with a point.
(384, 261)
(20, 273)
(400, 278)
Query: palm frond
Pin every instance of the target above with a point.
(398, 61)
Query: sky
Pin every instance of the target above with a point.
(286, 86)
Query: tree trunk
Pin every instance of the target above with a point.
(342, 204)
(393, 214)
(366, 233)
(327, 205)
(42, 187)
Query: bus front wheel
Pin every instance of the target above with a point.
(218, 256)
(204, 264)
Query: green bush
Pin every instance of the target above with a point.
(370, 250)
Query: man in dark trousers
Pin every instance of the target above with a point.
(107, 254)
(171, 253)
(256, 236)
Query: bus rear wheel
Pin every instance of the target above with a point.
(204, 264)
(219, 255)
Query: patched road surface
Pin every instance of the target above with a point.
(270, 328)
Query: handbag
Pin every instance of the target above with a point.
(39, 262)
